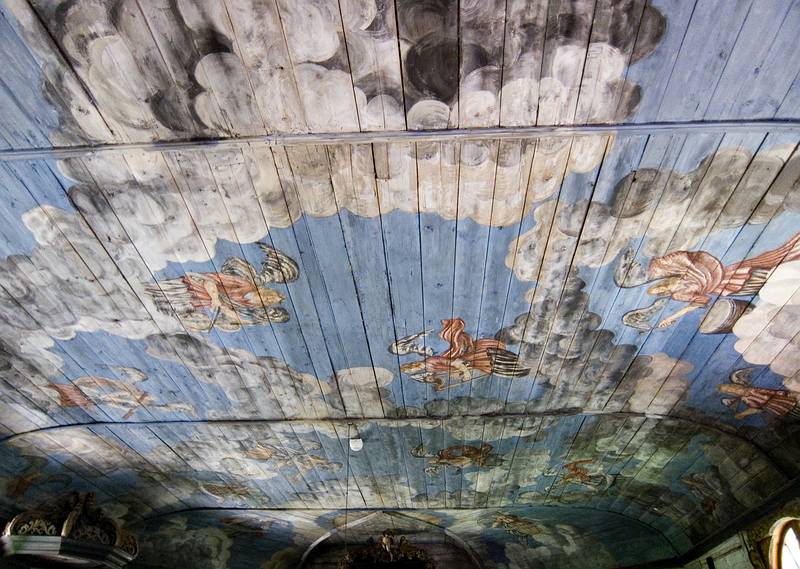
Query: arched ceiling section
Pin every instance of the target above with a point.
(552, 338)
(527, 536)
(679, 479)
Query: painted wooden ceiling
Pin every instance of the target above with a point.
(558, 351)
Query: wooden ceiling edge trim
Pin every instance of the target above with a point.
(568, 412)
(369, 137)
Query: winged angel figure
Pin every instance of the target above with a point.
(234, 297)
(465, 360)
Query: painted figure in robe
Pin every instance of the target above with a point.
(234, 297)
(458, 457)
(783, 403)
(88, 391)
(578, 473)
(464, 360)
(698, 277)
(286, 457)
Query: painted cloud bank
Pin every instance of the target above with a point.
(769, 334)
(647, 203)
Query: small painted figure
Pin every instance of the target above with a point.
(465, 359)
(522, 529)
(780, 402)
(34, 476)
(235, 297)
(708, 487)
(458, 457)
(291, 458)
(698, 277)
(387, 543)
(88, 391)
(577, 473)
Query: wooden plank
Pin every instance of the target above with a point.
(396, 179)
(429, 50)
(564, 59)
(438, 191)
(331, 254)
(70, 98)
(481, 51)
(522, 61)
(476, 183)
(511, 201)
(712, 23)
(762, 65)
(318, 53)
(373, 52)
(265, 55)
(353, 175)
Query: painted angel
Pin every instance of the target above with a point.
(286, 457)
(465, 359)
(90, 390)
(578, 473)
(234, 297)
(779, 402)
(458, 457)
(698, 277)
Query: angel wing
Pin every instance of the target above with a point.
(408, 345)
(236, 267)
(506, 363)
(263, 315)
(277, 267)
(742, 376)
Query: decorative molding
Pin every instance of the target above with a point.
(73, 527)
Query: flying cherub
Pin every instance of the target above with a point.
(465, 360)
(234, 297)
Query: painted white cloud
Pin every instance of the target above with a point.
(267, 387)
(770, 333)
(72, 282)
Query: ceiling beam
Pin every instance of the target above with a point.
(451, 135)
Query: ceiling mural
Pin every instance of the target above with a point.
(563, 350)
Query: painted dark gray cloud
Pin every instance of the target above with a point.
(545, 339)
(208, 547)
(429, 30)
(579, 362)
(726, 187)
(111, 45)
